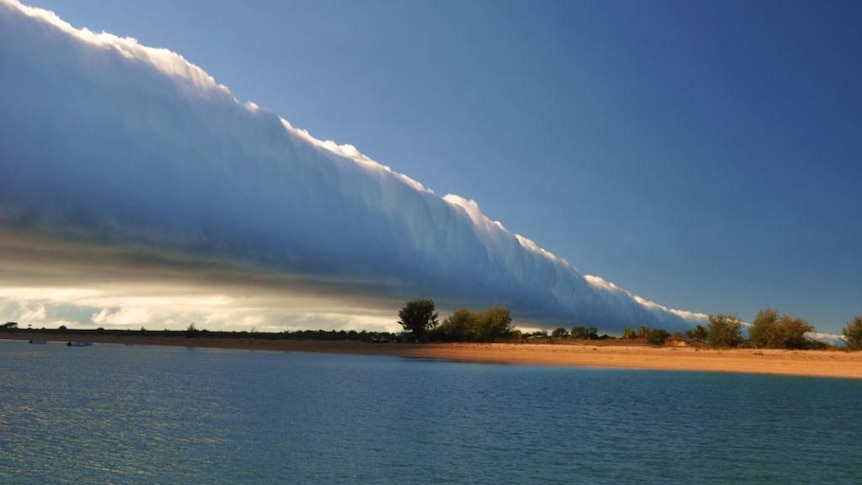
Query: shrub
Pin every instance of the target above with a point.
(657, 336)
(853, 333)
(724, 331)
(770, 330)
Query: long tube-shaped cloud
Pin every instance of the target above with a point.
(106, 141)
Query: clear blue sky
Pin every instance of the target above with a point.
(705, 155)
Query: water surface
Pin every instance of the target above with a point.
(141, 414)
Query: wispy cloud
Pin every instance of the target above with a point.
(123, 163)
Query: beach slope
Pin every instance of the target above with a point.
(829, 363)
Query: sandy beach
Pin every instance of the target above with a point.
(833, 363)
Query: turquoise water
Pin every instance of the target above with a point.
(137, 414)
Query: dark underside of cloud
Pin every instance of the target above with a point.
(106, 142)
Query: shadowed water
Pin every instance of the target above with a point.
(135, 414)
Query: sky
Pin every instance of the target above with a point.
(701, 155)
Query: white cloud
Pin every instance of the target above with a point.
(213, 307)
(829, 338)
(124, 317)
(118, 155)
(31, 312)
(164, 60)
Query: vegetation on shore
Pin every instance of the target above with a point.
(11, 328)
(420, 321)
(723, 331)
(769, 329)
(853, 333)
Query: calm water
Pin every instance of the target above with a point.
(135, 414)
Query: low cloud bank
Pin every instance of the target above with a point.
(110, 143)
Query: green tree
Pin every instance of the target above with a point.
(657, 336)
(723, 331)
(643, 331)
(629, 333)
(793, 330)
(494, 323)
(779, 332)
(853, 333)
(459, 327)
(418, 317)
(764, 329)
(560, 332)
(579, 332)
(698, 333)
(9, 325)
(490, 324)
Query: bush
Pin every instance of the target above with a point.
(774, 332)
(191, 331)
(724, 331)
(488, 325)
(584, 333)
(459, 327)
(657, 336)
(853, 333)
(698, 333)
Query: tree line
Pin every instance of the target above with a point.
(419, 318)
(770, 330)
(420, 321)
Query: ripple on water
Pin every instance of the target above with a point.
(117, 414)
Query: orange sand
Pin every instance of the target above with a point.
(832, 363)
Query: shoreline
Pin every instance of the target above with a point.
(812, 363)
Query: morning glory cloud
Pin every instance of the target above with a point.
(142, 161)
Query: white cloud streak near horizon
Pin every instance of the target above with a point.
(107, 144)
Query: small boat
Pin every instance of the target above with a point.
(35, 341)
(79, 344)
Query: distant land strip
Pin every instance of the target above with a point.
(815, 363)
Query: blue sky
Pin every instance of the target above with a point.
(703, 155)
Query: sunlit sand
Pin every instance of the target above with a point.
(832, 363)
